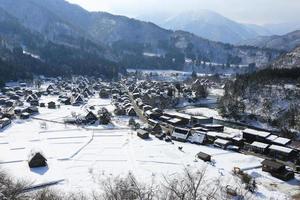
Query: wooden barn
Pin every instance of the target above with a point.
(36, 159)
(277, 170)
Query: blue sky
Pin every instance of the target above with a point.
(246, 11)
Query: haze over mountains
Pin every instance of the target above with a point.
(213, 26)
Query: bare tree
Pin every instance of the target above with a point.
(127, 188)
(192, 185)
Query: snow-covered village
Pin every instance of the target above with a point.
(72, 133)
(149, 100)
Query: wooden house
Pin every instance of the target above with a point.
(156, 129)
(51, 105)
(197, 120)
(204, 156)
(78, 100)
(184, 118)
(221, 143)
(104, 93)
(24, 115)
(277, 170)
(120, 110)
(259, 147)
(131, 112)
(90, 117)
(282, 153)
(180, 134)
(34, 102)
(250, 135)
(142, 134)
(197, 137)
(274, 139)
(36, 159)
(4, 122)
(42, 105)
(31, 110)
(66, 101)
(212, 127)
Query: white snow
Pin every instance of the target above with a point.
(82, 156)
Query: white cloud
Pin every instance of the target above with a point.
(252, 11)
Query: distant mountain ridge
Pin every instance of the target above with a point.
(123, 40)
(285, 42)
(210, 25)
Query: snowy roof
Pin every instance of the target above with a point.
(257, 133)
(199, 117)
(221, 141)
(213, 125)
(219, 134)
(177, 114)
(280, 148)
(278, 140)
(260, 145)
(272, 137)
(174, 120)
(281, 140)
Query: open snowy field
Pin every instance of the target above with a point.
(80, 157)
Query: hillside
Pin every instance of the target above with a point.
(124, 40)
(285, 42)
(289, 60)
(25, 53)
(270, 95)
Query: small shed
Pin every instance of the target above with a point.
(203, 156)
(51, 105)
(142, 134)
(36, 159)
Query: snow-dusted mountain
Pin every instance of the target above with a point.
(285, 42)
(209, 25)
